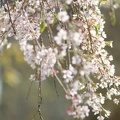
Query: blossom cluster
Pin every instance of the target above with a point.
(74, 54)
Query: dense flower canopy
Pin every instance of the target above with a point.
(74, 53)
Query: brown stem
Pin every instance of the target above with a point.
(10, 17)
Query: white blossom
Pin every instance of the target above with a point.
(69, 1)
(100, 118)
(61, 36)
(63, 16)
(77, 38)
(116, 101)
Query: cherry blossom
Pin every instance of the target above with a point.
(63, 16)
(74, 53)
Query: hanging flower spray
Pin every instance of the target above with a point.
(74, 55)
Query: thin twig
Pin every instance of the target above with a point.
(60, 83)
(39, 100)
(10, 17)
(90, 36)
(39, 96)
(38, 44)
(56, 88)
(29, 89)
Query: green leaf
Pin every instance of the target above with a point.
(109, 43)
(100, 1)
(54, 22)
(5, 41)
(97, 29)
(51, 75)
(43, 26)
(113, 18)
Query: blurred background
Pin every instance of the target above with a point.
(15, 83)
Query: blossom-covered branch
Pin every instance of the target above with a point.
(74, 53)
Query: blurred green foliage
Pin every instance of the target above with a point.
(117, 1)
(9, 59)
(16, 84)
